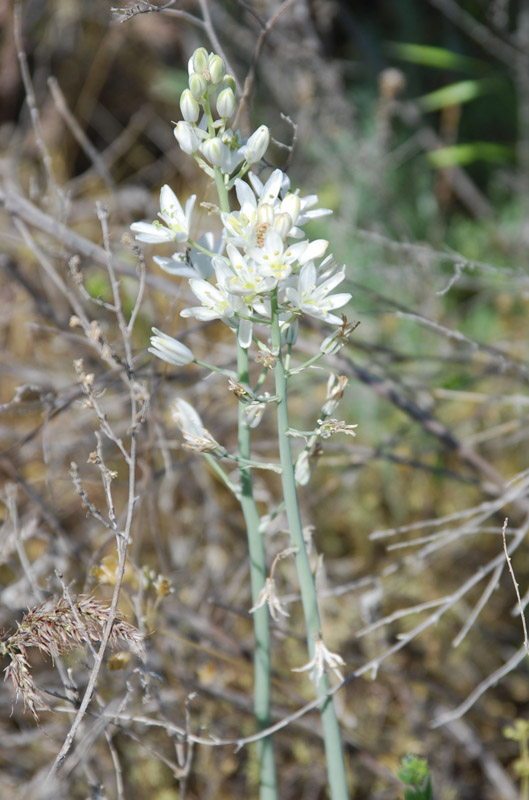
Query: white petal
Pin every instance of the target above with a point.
(187, 418)
(202, 313)
(315, 249)
(168, 200)
(338, 300)
(245, 333)
(174, 267)
(256, 182)
(147, 232)
(190, 204)
(272, 186)
(307, 277)
(245, 196)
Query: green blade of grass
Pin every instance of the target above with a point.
(458, 155)
(437, 57)
(458, 93)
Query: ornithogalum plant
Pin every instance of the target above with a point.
(260, 278)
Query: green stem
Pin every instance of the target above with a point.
(215, 466)
(267, 772)
(228, 373)
(331, 731)
(256, 550)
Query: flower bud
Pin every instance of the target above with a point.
(197, 85)
(302, 469)
(283, 224)
(200, 59)
(186, 137)
(228, 82)
(189, 106)
(217, 69)
(253, 414)
(265, 213)
(212, 151)
(332, 344)
(257, 145)
(226, 103)
(169, 349)
(291, 205)
(289, 334)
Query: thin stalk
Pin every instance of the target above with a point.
(256, 550)
(267, 772)
(331, 731)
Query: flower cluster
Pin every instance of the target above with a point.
(262, 259)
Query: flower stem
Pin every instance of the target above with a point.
(331, 731)
(265, 747)
(267, 772)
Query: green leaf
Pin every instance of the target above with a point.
(437, 57)
(458, 93)
(415, 773)
(458, 155)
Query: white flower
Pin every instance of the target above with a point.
(176, 265)
(193, 263)
(269, 596)
(306, 213)
(211, 149)
(269, 192)
(199, 61)
(275, 258)
(187, 137)
(196, 436)
(216, 68)
(322, 660)
(302, 469)
(189, 107)
(257, 145)
(258, 209)
(327, 427)
(336, 386)
(177, 222)
(169, 349)
(241, 277)
(312, 299)
(226, 103)
(217, 303)
(231, 154)
(253, 412)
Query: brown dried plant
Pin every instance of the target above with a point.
(55, 627)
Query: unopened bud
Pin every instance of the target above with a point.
(200, 59)
(187, 137)
(257, 145)
(212, 151)
(228, 82)
(291, 205)
(217, 69)
(253, 414)
(197, 85)
(289, 334)
(189, 106)
(302, 469)
(226, 103)
(283, 224)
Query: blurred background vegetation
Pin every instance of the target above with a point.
(411, 121)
